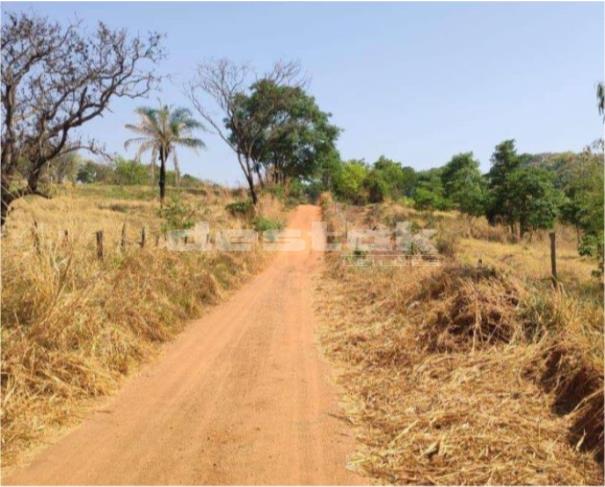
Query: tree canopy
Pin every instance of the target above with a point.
(56, 78)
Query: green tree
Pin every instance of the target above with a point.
(583, 186)
(504, 161)
(227, 85)
(295, 137)
(93, 172)
(376, 186)
(127, 172)
(464, 185)
(399, 181)
(326, 170)
(349, 181)
(161, 131)
(532, 199)
(429, 191)
(426, 199)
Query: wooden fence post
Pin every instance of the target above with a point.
(100, 245)
(123, 238)
(36, 237)
(553, 258)
(143, 237)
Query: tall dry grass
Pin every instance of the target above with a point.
(466, 373)
(74, 326)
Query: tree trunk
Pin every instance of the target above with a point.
(260, 177)
(250, 180)
(6, 202)
(162, 181)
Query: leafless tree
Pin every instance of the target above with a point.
(55, 78)
(223, 83)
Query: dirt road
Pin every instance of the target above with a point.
(241, 397)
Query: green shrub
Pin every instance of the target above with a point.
(130, 172)
(376, 187)
(176, 215)
(240, 208)
(263, 224)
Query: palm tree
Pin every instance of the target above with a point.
(161, 131)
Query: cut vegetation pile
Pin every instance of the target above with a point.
(465, 375)
(73, 325)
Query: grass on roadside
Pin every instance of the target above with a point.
(465, 373)
(73, 326)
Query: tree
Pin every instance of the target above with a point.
(429, 192)
(468, 191)
(399, 181)
(464, 185)
(130, 172)
(93, 172)
(376, 186)
(55, 78)
(583, 207)
(64, 167)
(349, 181)
(504, 161)
(226, 84)
(296, 135)
(532, 200)
(326, 170)
(161, 130)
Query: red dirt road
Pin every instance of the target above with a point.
(241, 397)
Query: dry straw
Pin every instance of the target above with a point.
(72, 325)
(464, 375)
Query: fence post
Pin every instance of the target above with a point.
(100, 245)
(553, 258)
(143, 237)
(36, 237)
(123, 238)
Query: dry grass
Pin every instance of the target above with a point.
(465, 374)
(73, 326)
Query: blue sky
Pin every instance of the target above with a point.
(415, 82)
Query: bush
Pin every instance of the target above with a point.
(263, 224)
(243, 208)
(376, 187)
(348, 183)
(176, 215)
(130, 172)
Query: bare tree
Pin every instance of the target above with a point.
(56, 78)
(224, 83)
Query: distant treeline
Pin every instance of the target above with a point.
(72, 168)
(526, 192)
